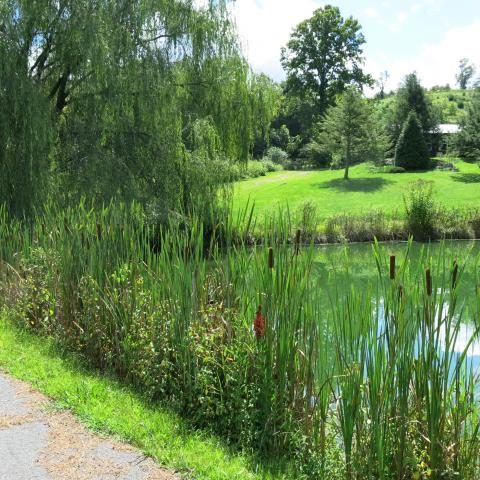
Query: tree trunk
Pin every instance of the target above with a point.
(347, 160)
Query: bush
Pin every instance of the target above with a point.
(277, 155)
(271, 166)
(314, 154)
(393, 169)
(421, 210)
(411, 152)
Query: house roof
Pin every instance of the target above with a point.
(447, 128)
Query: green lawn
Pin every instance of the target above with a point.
(362, 193)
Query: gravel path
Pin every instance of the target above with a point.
(38, 443)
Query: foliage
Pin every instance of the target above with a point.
(421, 210)
(347, 130)
(411, 152)
(103, 99)
(280, 137)
(318, 387)
(411, 96)
(468, 139)
(323, 56)
(277, 155)
(315, 155)
(465, 73)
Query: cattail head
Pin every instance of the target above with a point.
(392, 267)
(454, 274)
(259, 323)
(297, 240)
(99, 231)
(428, 281)
(270, 258)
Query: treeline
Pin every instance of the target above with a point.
(325, 120)
(149, 100)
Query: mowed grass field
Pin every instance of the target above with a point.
(365, 191)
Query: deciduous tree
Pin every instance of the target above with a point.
(324, 56)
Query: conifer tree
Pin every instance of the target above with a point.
(411, 152)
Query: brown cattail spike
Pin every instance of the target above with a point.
(428, 280)
(99, 231)
(392, 267)
(454, 274)
(270, 258)
(297, 240)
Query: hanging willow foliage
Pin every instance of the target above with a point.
(101, 97)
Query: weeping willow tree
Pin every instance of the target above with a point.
(106, 97)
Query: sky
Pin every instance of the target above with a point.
(426, 36)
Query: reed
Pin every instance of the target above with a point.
(249, 341)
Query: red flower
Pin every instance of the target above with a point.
(259, 323)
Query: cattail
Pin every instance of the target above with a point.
(428, 278)
(259, 323)
(297, 241)
(99, 231)
(401, 292)
(454, 274)
(270, 258)
(392, 267)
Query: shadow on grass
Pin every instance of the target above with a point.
(356, 184)
(467, 177)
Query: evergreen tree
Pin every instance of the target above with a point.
(468, 140)
(412, 96)
(411, 151)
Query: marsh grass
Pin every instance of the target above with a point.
(368, 384)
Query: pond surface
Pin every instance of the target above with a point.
(354, 266)
(333, 260)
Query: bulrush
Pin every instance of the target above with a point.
(454, 274)
(270, 258)
(428, 279)
(297, 241)
(259, 323)
(392, 267)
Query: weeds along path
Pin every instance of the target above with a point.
(41, 443)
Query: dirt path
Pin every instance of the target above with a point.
(37, 443)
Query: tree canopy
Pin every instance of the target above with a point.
(347, 130)
(323, 56)
(466, 71)
(104, 96)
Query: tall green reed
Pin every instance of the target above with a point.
(373, 372)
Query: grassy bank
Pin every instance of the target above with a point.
(107, 406)
(363, 193)
(342, 380)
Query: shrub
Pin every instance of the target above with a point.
(393, 169)
(271, 166)
(277, 155)
(421, 210)
(315, 154)
(411, 152)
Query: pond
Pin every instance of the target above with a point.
(353, 266)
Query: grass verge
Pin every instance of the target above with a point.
(106, 406)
